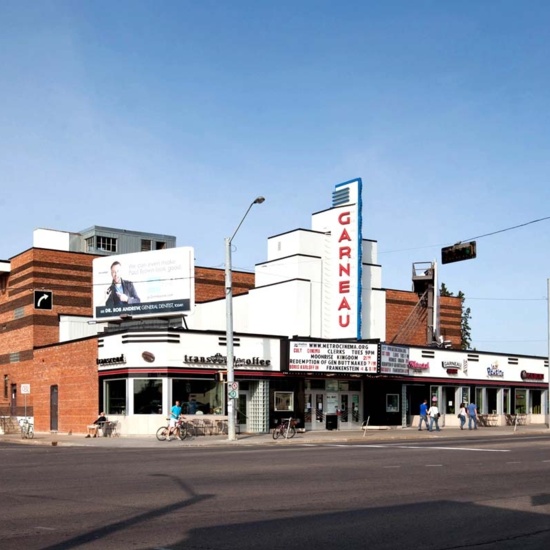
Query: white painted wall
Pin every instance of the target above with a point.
(51, 239)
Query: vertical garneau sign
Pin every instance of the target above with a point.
(346, 252)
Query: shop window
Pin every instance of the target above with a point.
(392, 402)
(148, 396)
(315, 384)
(506, 401)
(535, 396)
(349, 385)
(480, 402)
(284, 401)
(115, 397)
(199, 396)
(521, 401)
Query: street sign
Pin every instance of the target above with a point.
(43, 299)
(25, 389)
(232, 390)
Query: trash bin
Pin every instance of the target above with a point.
(331, 421)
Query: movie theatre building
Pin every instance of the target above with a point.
(316, 336)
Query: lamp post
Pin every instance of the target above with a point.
(231, 432)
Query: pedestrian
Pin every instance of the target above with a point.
(175, 412)
(423, 415)
(472, 416)
(433, 413)
(462, 415)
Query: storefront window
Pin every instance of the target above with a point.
(349, 385)
(521, 401)
(392, 402)
(148, 396)
(199, 396)
(480, 402)
(115, 397)
(535, 397)
(284, 401)
(506, 401)
(315, 384)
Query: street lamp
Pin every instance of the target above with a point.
(231, 432)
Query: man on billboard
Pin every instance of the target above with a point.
(121, 291)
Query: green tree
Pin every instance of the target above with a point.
(465, 329)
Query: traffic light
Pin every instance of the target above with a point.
(220, 376)
(458, 252)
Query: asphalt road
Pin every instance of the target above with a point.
(453, 494)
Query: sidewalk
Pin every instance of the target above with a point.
(372, 435)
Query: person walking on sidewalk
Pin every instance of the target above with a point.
(472, 416)
(433, 413)
(423, 415)
(462, 415)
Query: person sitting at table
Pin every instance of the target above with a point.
(93, 429)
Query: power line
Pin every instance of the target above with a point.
(467, 240)
(507, 229)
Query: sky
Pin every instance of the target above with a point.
(172, 117)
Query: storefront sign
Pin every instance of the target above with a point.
(415, 365)
(214, 361)
(451, 365)
(531, 375)
(111, 360)
(333, 357)
(494, 371)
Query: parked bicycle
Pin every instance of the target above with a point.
(184, 429)
(286, 428)
(27, 428)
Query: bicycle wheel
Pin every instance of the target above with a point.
(182, 432)
(291, 432)
(162, 432)
(276, 432)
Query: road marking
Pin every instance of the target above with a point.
(422, 447)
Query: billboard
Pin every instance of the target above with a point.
(159, 283)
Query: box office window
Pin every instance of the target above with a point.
(284, 401)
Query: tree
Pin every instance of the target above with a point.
(465, 330)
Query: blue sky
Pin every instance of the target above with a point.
(172, 117)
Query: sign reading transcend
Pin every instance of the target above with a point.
(333, 357)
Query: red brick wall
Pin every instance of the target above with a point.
(400, 304)
(72, 367)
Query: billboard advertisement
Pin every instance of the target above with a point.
(158, 283)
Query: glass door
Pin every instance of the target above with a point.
(242, 411)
